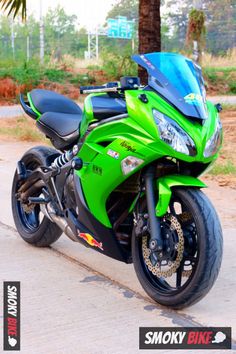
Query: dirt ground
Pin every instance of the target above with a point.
(227, 154)
(229, 127)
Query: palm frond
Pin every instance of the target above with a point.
(14, 7)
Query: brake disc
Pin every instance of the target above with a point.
(179, 247)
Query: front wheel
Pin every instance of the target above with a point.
(190, 262)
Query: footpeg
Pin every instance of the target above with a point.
(38, 200)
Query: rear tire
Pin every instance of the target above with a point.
(210, 242)
(40, 233)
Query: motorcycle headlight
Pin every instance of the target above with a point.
(214, 142)
(172, 134)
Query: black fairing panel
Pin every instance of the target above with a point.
(105, 106)
(111, 246)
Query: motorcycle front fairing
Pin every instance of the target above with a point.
(178, 80)
(106, 147)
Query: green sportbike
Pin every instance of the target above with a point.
(122, 177)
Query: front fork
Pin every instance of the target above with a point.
(157, 210)
(155, 242)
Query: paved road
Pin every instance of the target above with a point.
(69, 292)
(10, 111)
(230, 100)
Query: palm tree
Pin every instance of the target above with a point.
(14, 6)
(149, 30)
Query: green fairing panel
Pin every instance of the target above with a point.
(100, 166)
(87, 116)
(32, 106)
(135, 136)
(164, 185)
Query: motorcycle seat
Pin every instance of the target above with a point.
(61, 128)
(60, 119)
(49, 101)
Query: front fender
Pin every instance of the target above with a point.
(164, 185)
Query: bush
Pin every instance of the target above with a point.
(232, 87)
(57, 75)
(8, 88)
(82, 79)
(116, 66)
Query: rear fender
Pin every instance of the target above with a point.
(164, 185)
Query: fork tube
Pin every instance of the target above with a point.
(155, 243)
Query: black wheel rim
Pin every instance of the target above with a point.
(30, 220)
(177, 283)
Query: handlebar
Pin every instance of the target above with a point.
(97, 89)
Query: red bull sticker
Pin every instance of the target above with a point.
(90, 240)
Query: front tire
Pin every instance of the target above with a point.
(207, 254)
(33, 227)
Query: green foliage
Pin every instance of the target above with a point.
(224, 77)
(116, 66)
(210, 75)
(220, 23)
(228, 168)
(125, 8)
(81, 79)
(33, 74)
(57, 75)
(14, 7)
(60, 33)
(196, 26)
(26, 73)
(232, 87)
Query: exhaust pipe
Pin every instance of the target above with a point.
(49, 212)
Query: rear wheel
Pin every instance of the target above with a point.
(190, 262)
(31, 224)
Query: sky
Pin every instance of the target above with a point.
(90, 13)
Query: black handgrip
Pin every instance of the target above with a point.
(28, 110)
(87, 88)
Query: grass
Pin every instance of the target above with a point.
(221, 79)
(67, 75)
(20, 129)
(222, 61)
(228, 107)
(227, 168)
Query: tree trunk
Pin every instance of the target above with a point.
(149, 30)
